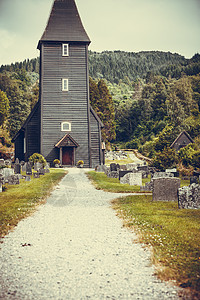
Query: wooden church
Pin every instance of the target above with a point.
(63, 125)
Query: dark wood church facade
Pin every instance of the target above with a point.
(62, 124)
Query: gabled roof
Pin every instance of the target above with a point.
(26, 122)
(180, 135)
(67, 141)
(64, 24)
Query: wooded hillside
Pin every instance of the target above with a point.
(153, 93)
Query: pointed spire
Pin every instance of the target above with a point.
(64, 24)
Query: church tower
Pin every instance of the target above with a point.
(69, 129)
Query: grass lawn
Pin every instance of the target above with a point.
(102, 182)
(18, 201)
(173, 234)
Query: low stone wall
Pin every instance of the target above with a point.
(189, 196)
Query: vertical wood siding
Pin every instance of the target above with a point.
(33, 134)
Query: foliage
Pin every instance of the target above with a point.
(56, 162)
(164, 159)
(36, 157)
(101, 102)
(189, 156)
(133, 144)
(4, 107)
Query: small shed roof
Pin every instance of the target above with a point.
(180, 135)
(64, 24)
(67, 141)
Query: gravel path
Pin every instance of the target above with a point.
(74, 247)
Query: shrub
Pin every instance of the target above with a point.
(56, 162)
(165, 159)
(132, 144)
(80, 162)
(36, 157)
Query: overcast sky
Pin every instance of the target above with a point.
(129, 25)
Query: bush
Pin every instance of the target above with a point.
(36, 157)
(132, 144)
(56, 162)
(185, 155)
(165, 159)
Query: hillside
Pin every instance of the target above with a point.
(120, 65)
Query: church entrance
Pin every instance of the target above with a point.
(68, 156)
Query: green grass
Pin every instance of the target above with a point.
(173, 234)
(101, 181)
(18, 201)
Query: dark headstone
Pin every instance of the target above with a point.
(41, 171)
(17, 168)
(113, 167)
(166, 189)
(28, 169)
(194, 179)
(122, 173)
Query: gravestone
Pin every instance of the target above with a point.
(132, 179)
(189, 197)
(41, 171)
(122, 173)
(13, 180)
(7, 172)
(17, 161)
(27, 178)
(113, 167)
(194, 179)
(2, 180)
(17, 167)
(24, 167)
(37, 166)
(113, 174)
(123, 168)
(148, 187)
(28, 169)
(162, 175)
(8, 162)
(36, 175)
(2, 162)
(166, 189)
(46, 168)
(1, 189)
(101, 168)
(131, 167)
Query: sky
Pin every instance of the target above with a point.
(128, 25)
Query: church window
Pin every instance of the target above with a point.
(65, 84)
(65, 50)
(65, 126)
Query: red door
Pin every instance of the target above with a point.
(68, 156)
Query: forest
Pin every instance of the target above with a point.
(144, 99)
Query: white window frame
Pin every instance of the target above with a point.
(65, 49)
(63, 124)
(65, 84)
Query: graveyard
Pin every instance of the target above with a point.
(23, 188)
(164, 213)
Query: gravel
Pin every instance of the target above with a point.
(75, 247)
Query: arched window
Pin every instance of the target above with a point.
(65, 126)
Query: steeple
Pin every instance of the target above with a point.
(64, 24)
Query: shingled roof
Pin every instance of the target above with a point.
(64, 24)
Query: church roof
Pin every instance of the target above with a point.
(67, 141)
(64, 24)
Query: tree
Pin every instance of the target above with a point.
(164, 159)
(4, 107)
(101, 102)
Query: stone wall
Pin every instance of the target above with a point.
(189, 196)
